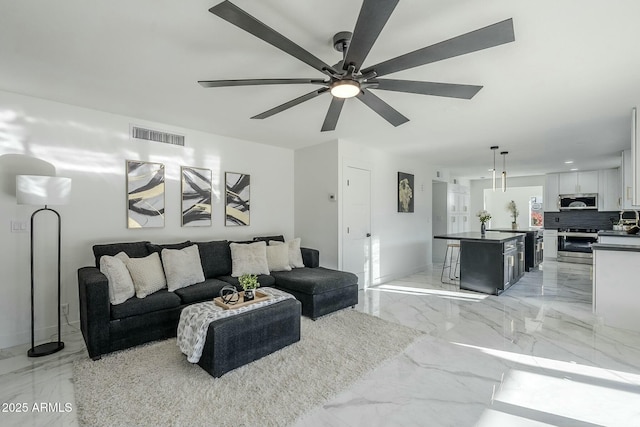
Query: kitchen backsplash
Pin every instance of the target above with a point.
(580, 219)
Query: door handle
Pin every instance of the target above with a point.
(368, 234)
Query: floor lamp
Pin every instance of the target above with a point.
(43, 190)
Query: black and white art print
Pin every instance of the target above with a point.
(238, 198)
(405, 192)
(196, 197)
(145, 194)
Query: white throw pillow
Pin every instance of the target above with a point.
(182, 267)
(147, 274)
(120, 283)
(295, 255)
(249, 258)
(278, 258)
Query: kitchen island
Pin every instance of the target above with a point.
(489, 263)
(533, 247)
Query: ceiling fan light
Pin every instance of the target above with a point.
(345, 88)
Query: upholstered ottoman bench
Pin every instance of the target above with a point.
(247, 336)
(321, 290)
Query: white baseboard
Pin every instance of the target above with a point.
(41, 335)
(398, 275)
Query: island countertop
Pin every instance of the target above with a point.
(518, 230)
(489, 237)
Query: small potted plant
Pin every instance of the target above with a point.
(249, 283)
(484, 217)
(511, 207)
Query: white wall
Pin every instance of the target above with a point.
(477, 187)
(316, 216)
(496, 203)
(90, 147)
(401, 242)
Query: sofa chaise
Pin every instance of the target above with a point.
(107, 327)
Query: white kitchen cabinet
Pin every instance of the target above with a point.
(551, 193)
(578, 182)
(550, 244)
(609, 197)
(615, 287)
(458, 199)
(627, 181)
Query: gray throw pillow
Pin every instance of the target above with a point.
(182, 267)
(147, 274)
(295, 254)
(120, 283)
(248, 258)
(278, 258)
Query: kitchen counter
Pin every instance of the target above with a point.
(518, 230)
(617, 233)
(615, 247)
(615, 237)
(616, 293)
(489, 237)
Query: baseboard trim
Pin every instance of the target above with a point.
(397, 275)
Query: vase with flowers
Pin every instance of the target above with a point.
(513, 209)
(484, 216)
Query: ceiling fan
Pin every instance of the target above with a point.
(348, 78)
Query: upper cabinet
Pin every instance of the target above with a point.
(605, 183)
(631, 169)
(627, 181)
(551, 193)
(578, 182)
(609, 196)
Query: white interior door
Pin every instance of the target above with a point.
(356, 248)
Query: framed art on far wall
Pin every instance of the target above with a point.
(145, 194)
(405, 192)
(196, 197)
(237, 199)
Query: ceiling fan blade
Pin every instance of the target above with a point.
(331, 119)
(484, 38)
(448, 90)
(291, 103)
(374, 14)
(382, 108)
(255, 82)
(238, 17)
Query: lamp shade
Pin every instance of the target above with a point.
(42, 190)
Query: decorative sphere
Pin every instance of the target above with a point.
(229, 295)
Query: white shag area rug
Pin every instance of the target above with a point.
(154, 385)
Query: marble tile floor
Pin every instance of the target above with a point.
(533, 356)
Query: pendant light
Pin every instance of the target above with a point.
(504, 170)
(493, 171)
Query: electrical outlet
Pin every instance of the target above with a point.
(65, 308)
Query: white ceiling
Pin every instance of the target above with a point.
(562, 91)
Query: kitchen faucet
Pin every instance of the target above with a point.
(628, 221)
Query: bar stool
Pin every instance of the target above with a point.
(454, 273)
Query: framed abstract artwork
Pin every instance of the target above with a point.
(405, 192)
(196, 197)
(237, 198)
(145, 194)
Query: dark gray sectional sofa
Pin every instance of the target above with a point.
(107, 328)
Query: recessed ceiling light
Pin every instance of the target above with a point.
(573, 169)
(568, 162)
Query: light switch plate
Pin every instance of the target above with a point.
(19, 226)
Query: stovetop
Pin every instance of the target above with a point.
(579, 230)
